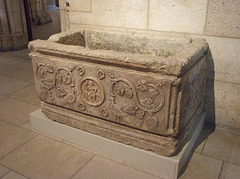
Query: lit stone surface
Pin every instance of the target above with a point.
(230, 171)
(226, 56)
(13, 175)
(42, 157)
(145, 87)
(223, 18)
(108, 13)
(3, 170)
(79, 5)
(202, 167)
(223, 145)
(12, 137)
(227, 97)
(178, 16)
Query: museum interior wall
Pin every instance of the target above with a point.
(13, 29)
(217, 21)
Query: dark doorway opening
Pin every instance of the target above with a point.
(43, 18)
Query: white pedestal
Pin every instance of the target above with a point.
(165, 167)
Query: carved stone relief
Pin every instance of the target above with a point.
(91, 91)
(137, 103)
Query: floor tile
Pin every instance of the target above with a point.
(27, 64)
(201, 141)
(3, 170)
(23, 53)
(43, 157)
(11, 60)
(8, 87)
(12, 137)
(23, 74)
(15, 112)
(101, 168)
(28, 95)
(4, 80)
(27, 126)
(220, 145)
(230, 171)
(202, 167)
(235, 158)
(4, 68)
(13, 175)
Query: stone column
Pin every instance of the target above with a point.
(13, 29)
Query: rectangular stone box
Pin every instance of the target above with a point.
(139, 89)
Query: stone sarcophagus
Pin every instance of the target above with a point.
(139, 89)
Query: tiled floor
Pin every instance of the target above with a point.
(25, 153)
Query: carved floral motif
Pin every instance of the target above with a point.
(64, 87)
(110, 73)
(104, 112)
(140, 114)
(129, 93)
(81, 106)
(101, 74)
(141, 85)
(151, 100)
(144, 99)
(147, 103)
(152, 122)
(130, 109)
(45, 74)
(80, 70)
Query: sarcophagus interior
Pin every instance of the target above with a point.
(140, 89)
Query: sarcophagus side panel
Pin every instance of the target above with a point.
(128, 97)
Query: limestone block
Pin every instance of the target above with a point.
(227, 105)
(178, 16)
(226, 56)
(223, 18)
(126, 14)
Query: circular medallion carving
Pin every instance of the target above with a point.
(91, 91)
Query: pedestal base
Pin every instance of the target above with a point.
(165, 167)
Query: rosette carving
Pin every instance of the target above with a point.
(101, 74)
(91, 91)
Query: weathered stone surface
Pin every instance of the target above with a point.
(223, 18)
(138, 89)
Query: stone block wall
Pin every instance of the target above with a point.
(13, 29)
(217, 21)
